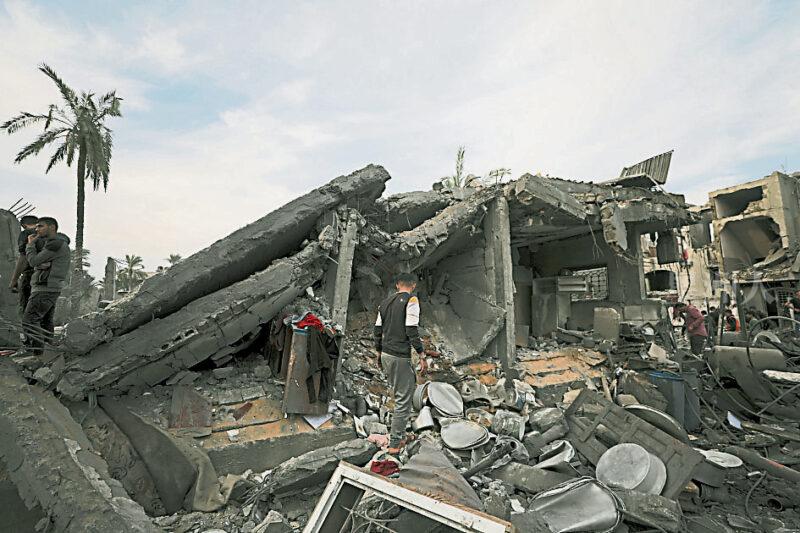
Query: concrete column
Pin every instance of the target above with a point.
(626, 274)
(9, 301)
(500, 269)
(110, 280)
(344, 271)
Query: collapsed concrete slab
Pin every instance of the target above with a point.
(227, 261)
(209, 326)
(313, 468)
(405, 211)
(50, 460)
(444, 233)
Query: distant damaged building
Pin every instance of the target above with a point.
(757, 232)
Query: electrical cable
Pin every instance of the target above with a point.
(750, 493)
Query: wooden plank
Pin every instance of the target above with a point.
(263, 411)
(188, 409)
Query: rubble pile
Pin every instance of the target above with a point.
(240, 390)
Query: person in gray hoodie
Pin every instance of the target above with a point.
(50, 265)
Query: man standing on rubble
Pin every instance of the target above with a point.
(695, 326)
(21, 278)
(396, 332)
(50, 265)
(793, 306)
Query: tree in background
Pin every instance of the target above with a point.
(77, 126)
(456, 181)
(459, 180)
(174, 259)
(131, 272)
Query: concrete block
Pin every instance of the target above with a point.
(264, 447)
(315, 467)
(606, 323)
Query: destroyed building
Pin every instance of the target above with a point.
(686, 269)
(193, 403)
(757, 231)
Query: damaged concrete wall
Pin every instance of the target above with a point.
(754, 219)
(209, 326)
(459, 309)
(9, 230)
(625, 278)
(405, 211)
(229, 260)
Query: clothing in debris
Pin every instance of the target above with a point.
(397, 325)
(279, 334)
(322, 352)
(384, 468)
(309, 320)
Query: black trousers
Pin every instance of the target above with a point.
(37, 321)
(696, 343)
(24, 286)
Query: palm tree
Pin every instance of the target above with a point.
(132, 272)
(174, 259)
(78, 125)
(456, 180)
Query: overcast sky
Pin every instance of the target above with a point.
(233, 108)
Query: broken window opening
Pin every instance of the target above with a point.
(596, 284)
(747, 242)
(737, 202)
(661, 280)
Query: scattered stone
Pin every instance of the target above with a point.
(226, 397)
(251, 393)
(544, 419)
(647, 509)
(352, 365)
(44, 375)
(496, 502)
(224, 372)
(263, 371)
(315, 467)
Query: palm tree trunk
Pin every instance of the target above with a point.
(75, 280)
(80, 206)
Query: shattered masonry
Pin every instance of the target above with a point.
(187, 405)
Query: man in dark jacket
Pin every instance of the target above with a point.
(50, 270)
(21, 278)
(396, 332)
